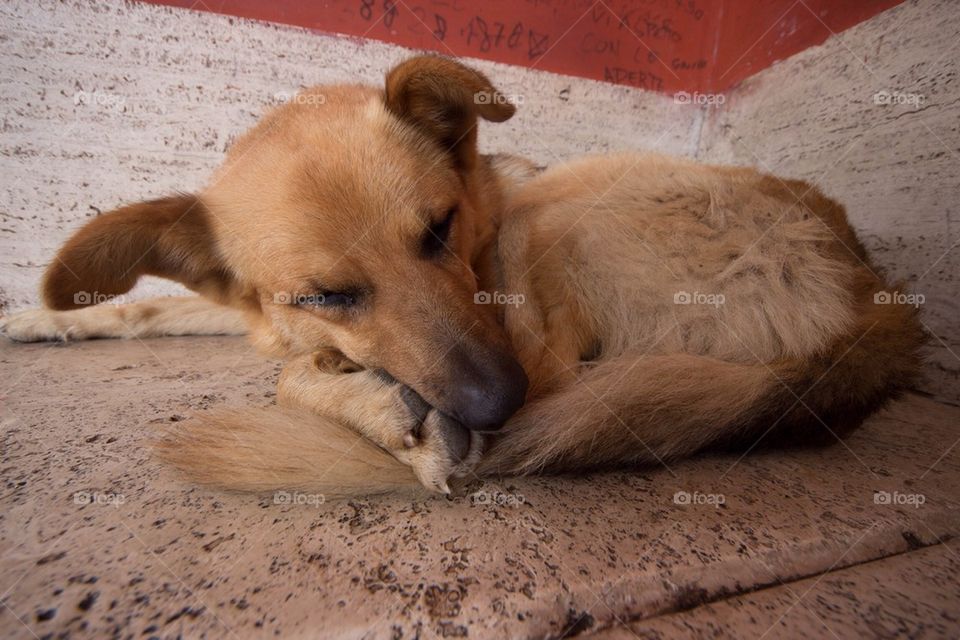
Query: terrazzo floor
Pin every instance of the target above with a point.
(98, 539)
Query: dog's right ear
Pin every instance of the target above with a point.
(170, 238)
(442, 98)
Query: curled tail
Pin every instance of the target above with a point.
(651, 408)
(275, 448)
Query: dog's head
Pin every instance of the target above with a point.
(350, 217)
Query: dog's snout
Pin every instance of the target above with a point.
(484, 397)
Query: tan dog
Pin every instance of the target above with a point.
(619, 309)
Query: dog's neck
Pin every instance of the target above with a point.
(498, 178)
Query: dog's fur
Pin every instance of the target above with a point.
(379, 201)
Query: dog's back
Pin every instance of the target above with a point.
(670, 306)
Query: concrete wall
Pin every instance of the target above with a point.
(873, 117)
(106, 102)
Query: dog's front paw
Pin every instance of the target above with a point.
(435, 446)
(439, 449)
(385, 411)
(35, 325)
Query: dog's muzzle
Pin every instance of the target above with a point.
(484, 392)
(480, 389)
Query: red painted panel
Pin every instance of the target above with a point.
(663, 45)
(756, 34)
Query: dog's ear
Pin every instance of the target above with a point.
(170, 238)
(442, 98)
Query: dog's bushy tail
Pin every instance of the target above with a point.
(275, 448)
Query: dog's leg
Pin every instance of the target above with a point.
(386, 412)
(174, 316)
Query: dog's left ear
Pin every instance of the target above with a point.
(442, 98)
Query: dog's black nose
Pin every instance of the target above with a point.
(484, 402)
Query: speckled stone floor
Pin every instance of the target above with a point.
(97, 539)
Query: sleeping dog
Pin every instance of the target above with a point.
(444, 313)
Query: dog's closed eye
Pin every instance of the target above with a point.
(435, 238)
(328, 299)
(337, 299)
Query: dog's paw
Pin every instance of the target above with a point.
(36, 325)
(386, 412)
(440, 449)
(435, 446)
